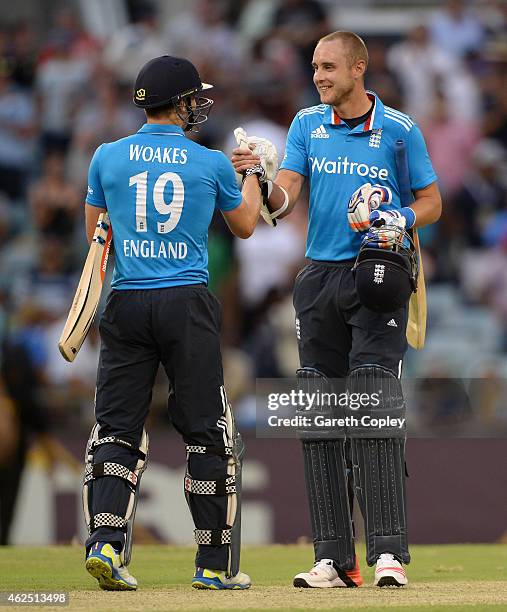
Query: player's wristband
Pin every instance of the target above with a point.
(258, 170)
(410, 216)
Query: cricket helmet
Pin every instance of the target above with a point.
(167, 79)
(385, 278)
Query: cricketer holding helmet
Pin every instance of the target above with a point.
(160, 190)
(344, 147)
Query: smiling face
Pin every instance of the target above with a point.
(336, 72)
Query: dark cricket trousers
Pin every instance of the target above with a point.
(178, 327)
(336, 333)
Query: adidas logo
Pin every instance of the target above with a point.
(392, 323)
(320, 132)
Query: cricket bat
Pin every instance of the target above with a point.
(416, 325)
(87, 297)
(241, 139)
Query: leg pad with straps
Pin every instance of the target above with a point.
(228, 486)
(108, 495)
(378, 456)
(326, 479)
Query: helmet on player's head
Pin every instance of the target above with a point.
(385, 278)
(169, 80)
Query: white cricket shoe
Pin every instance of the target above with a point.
(325, 575)
(389, 572)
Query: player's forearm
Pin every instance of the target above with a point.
(251, 193)
(427, 208)
(92, 216)
(280, 198)
(286, 191)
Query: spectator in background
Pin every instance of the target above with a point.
(18, 253)
(82, 45)
(380, 78)
(495, 102)
(484, 279)
(20, 415)
(22, 54)
(450, 144)
(42, 295)
(135, 44)
(55, 204)
(423, 67)
(251, 19)
(457, 29)
(494, 19)
(71, 385)
(109, 116)
(23, 417)
(17, 132)
(203, 35)
(301, 23)
(476, 207)
(60, 83)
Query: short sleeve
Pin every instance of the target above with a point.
(296, 156)
(95, 193)
(421, 170)
(228, 195)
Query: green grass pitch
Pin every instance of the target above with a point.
(441, 578)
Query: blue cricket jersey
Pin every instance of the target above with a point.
(337, 160)
(160, 190)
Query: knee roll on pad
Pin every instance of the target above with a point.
(378, 458)
(230, 485)
(326, 478)
(379, 398)
(131, 477)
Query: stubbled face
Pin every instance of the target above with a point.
(333, 77)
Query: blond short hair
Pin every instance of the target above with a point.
(353, 44)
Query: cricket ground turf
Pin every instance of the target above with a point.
(456, 577)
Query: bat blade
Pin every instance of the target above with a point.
(417, 309)
(86, 299)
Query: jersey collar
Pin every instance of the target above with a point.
(374, 121)
(159, 128)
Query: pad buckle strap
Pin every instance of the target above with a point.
(120, 442)
(106, 519)
(98, 470)
(223, 486)
(222, 451)
(213, 537)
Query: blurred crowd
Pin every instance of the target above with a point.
(63, 92)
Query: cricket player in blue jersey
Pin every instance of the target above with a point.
(161, 190)
(344, 148)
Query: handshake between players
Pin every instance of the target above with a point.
(256, 155)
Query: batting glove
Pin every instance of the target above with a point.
(387, 226)
(265, 149)
(393, 217)
(363, 201)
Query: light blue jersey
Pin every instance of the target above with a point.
(337, 160)
(160, 190)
